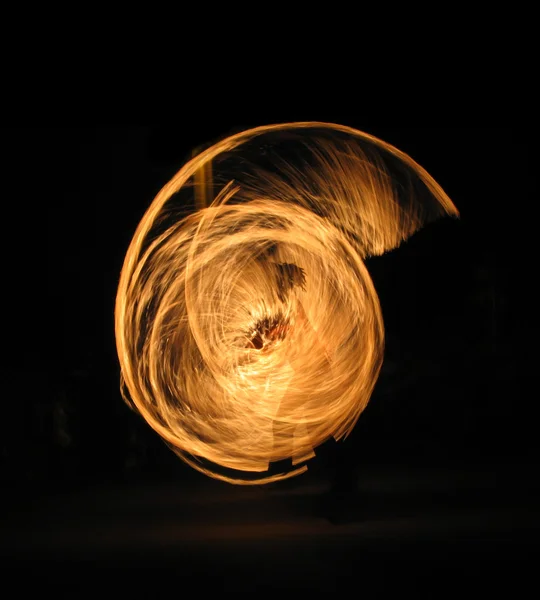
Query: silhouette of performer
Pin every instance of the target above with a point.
(289, 278)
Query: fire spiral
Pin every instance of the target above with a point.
(247, 326)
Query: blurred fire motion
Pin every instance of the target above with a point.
(248, 329)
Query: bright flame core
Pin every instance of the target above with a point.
(249, 331)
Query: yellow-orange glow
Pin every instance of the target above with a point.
(248, 330)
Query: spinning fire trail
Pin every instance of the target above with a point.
(247, 326)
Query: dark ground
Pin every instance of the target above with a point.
(436, 489)
(434, 528)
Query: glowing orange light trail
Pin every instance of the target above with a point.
(249, 331)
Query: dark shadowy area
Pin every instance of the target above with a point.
(436, 486)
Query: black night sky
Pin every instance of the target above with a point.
(450, 399)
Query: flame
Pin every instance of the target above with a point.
(248, 329)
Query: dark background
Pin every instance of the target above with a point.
(453, 395)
